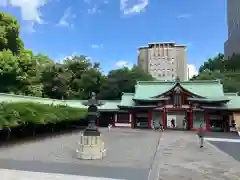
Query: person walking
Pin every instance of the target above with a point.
(109, 127)
(201, 136)
(161, 127)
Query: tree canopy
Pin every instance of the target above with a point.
(226, 70)
(9, 34)
(26, 73)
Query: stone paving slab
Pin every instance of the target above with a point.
(225, 135)
(125, 173)
(26, 175)
(182, 159)
(231, 148)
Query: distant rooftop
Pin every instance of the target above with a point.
(180, 45)
(143, 47)
(171, 43)
(161, 43)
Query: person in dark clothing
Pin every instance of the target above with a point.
(173, 123)
(201, 135)
(161, 127)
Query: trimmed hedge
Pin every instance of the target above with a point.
(14, 115)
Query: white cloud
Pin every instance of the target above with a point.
(30, 11)
(61, 57)
(97, 46)
(95, 6)
(105, 2)
(93, 10)
(67, 18)
(29, 26)
(192, 70)
(127, 8)
(184, 16)
(121, 64)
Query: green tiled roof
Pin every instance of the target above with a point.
(211, 100)
(234, 102)
(148, 89)
(231, 94)
(127, 100)
(109, 106)
(207, 89)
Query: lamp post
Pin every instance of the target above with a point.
(92, 116)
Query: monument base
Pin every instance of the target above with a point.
(90, 147)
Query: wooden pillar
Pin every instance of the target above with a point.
(133, 119)
(190, 114)
(150, 119)
(207, 120)
(115, 120)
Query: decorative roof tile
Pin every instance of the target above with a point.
(207, 89)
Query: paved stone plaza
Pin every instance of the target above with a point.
(129, 157)
(182, 159)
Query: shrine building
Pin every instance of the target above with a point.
(175, 104)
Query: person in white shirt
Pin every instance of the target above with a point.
(109, 127)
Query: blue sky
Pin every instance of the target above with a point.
(110, 31)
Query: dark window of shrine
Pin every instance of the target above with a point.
(177, 99)
(123, 117)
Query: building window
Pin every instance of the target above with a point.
(123, 117)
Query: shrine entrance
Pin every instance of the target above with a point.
(176, 119)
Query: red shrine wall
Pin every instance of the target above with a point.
(129, 119)
(123, 119)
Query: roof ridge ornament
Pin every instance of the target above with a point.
(177, 80)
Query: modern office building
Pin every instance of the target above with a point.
(232, 45)
(164, 61)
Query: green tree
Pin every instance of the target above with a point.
(9, 34)
(86, 77)
(122, 80)
(55, 80)
(226, 70)
(8, 72)
(215, 64)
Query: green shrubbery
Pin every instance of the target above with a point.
(28, 119)
(19, 114)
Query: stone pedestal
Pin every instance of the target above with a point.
(90, 147)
